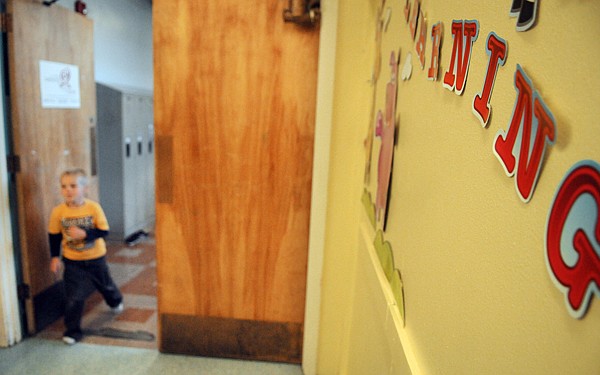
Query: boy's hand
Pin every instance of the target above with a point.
(55, 265)
(76, 233)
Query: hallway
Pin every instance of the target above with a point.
(124, 343)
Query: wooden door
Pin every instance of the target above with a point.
(46, 140)
(235, 91)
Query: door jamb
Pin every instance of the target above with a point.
(10, 318)
(320, 182)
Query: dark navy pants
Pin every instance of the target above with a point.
(78, 277)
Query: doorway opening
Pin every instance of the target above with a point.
(133, 267)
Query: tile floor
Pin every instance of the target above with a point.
(51, 357)
(134, 270)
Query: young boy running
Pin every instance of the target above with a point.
(79, 225)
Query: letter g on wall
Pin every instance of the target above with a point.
(573, 237)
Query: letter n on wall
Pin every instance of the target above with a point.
(464, 34)
(521, 149)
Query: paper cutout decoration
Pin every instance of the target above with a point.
(386, 20)
(384, 252)
(368, 142)
(385, 129)
(496, 49)
(369, 206)
(532, 129)
(398, 291)
(385, 255)
(526, 13)
(378, 37)
(407, 67)
(414, 19)
(420, 45)
(572, 235)
(464, 33)
(407, 10)
(437, 31)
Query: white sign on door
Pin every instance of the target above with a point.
(59, 85)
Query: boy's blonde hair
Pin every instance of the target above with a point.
(77, 172)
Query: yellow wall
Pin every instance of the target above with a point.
(479, 298)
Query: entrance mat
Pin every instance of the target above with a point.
(120, 334)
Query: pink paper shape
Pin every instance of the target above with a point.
(385, 129)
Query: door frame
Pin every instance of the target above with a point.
(10, 320)
(320, 182)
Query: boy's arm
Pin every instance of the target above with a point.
(94, 234)
(100, 229)
(55, 239)
(89, 235)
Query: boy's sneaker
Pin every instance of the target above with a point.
(69, 340)
(117, 309)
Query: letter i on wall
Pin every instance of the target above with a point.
(497, 50)
(420, 45)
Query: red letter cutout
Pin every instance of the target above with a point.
(407, 10)
(415, 18)
(575, 266)
(496, 49)
(420, 46)
(464, 34)
(436, 40)
(525, 159)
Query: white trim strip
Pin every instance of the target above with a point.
(320, 182)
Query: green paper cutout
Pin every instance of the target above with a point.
(398, 291)
(369, 206)
(384, 253)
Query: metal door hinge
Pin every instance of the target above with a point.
(23, 291)
(13, 163)
(305, 13)
(5, 22)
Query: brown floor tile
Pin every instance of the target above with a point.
(135, 315)
(144, 283)
(121, 253)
